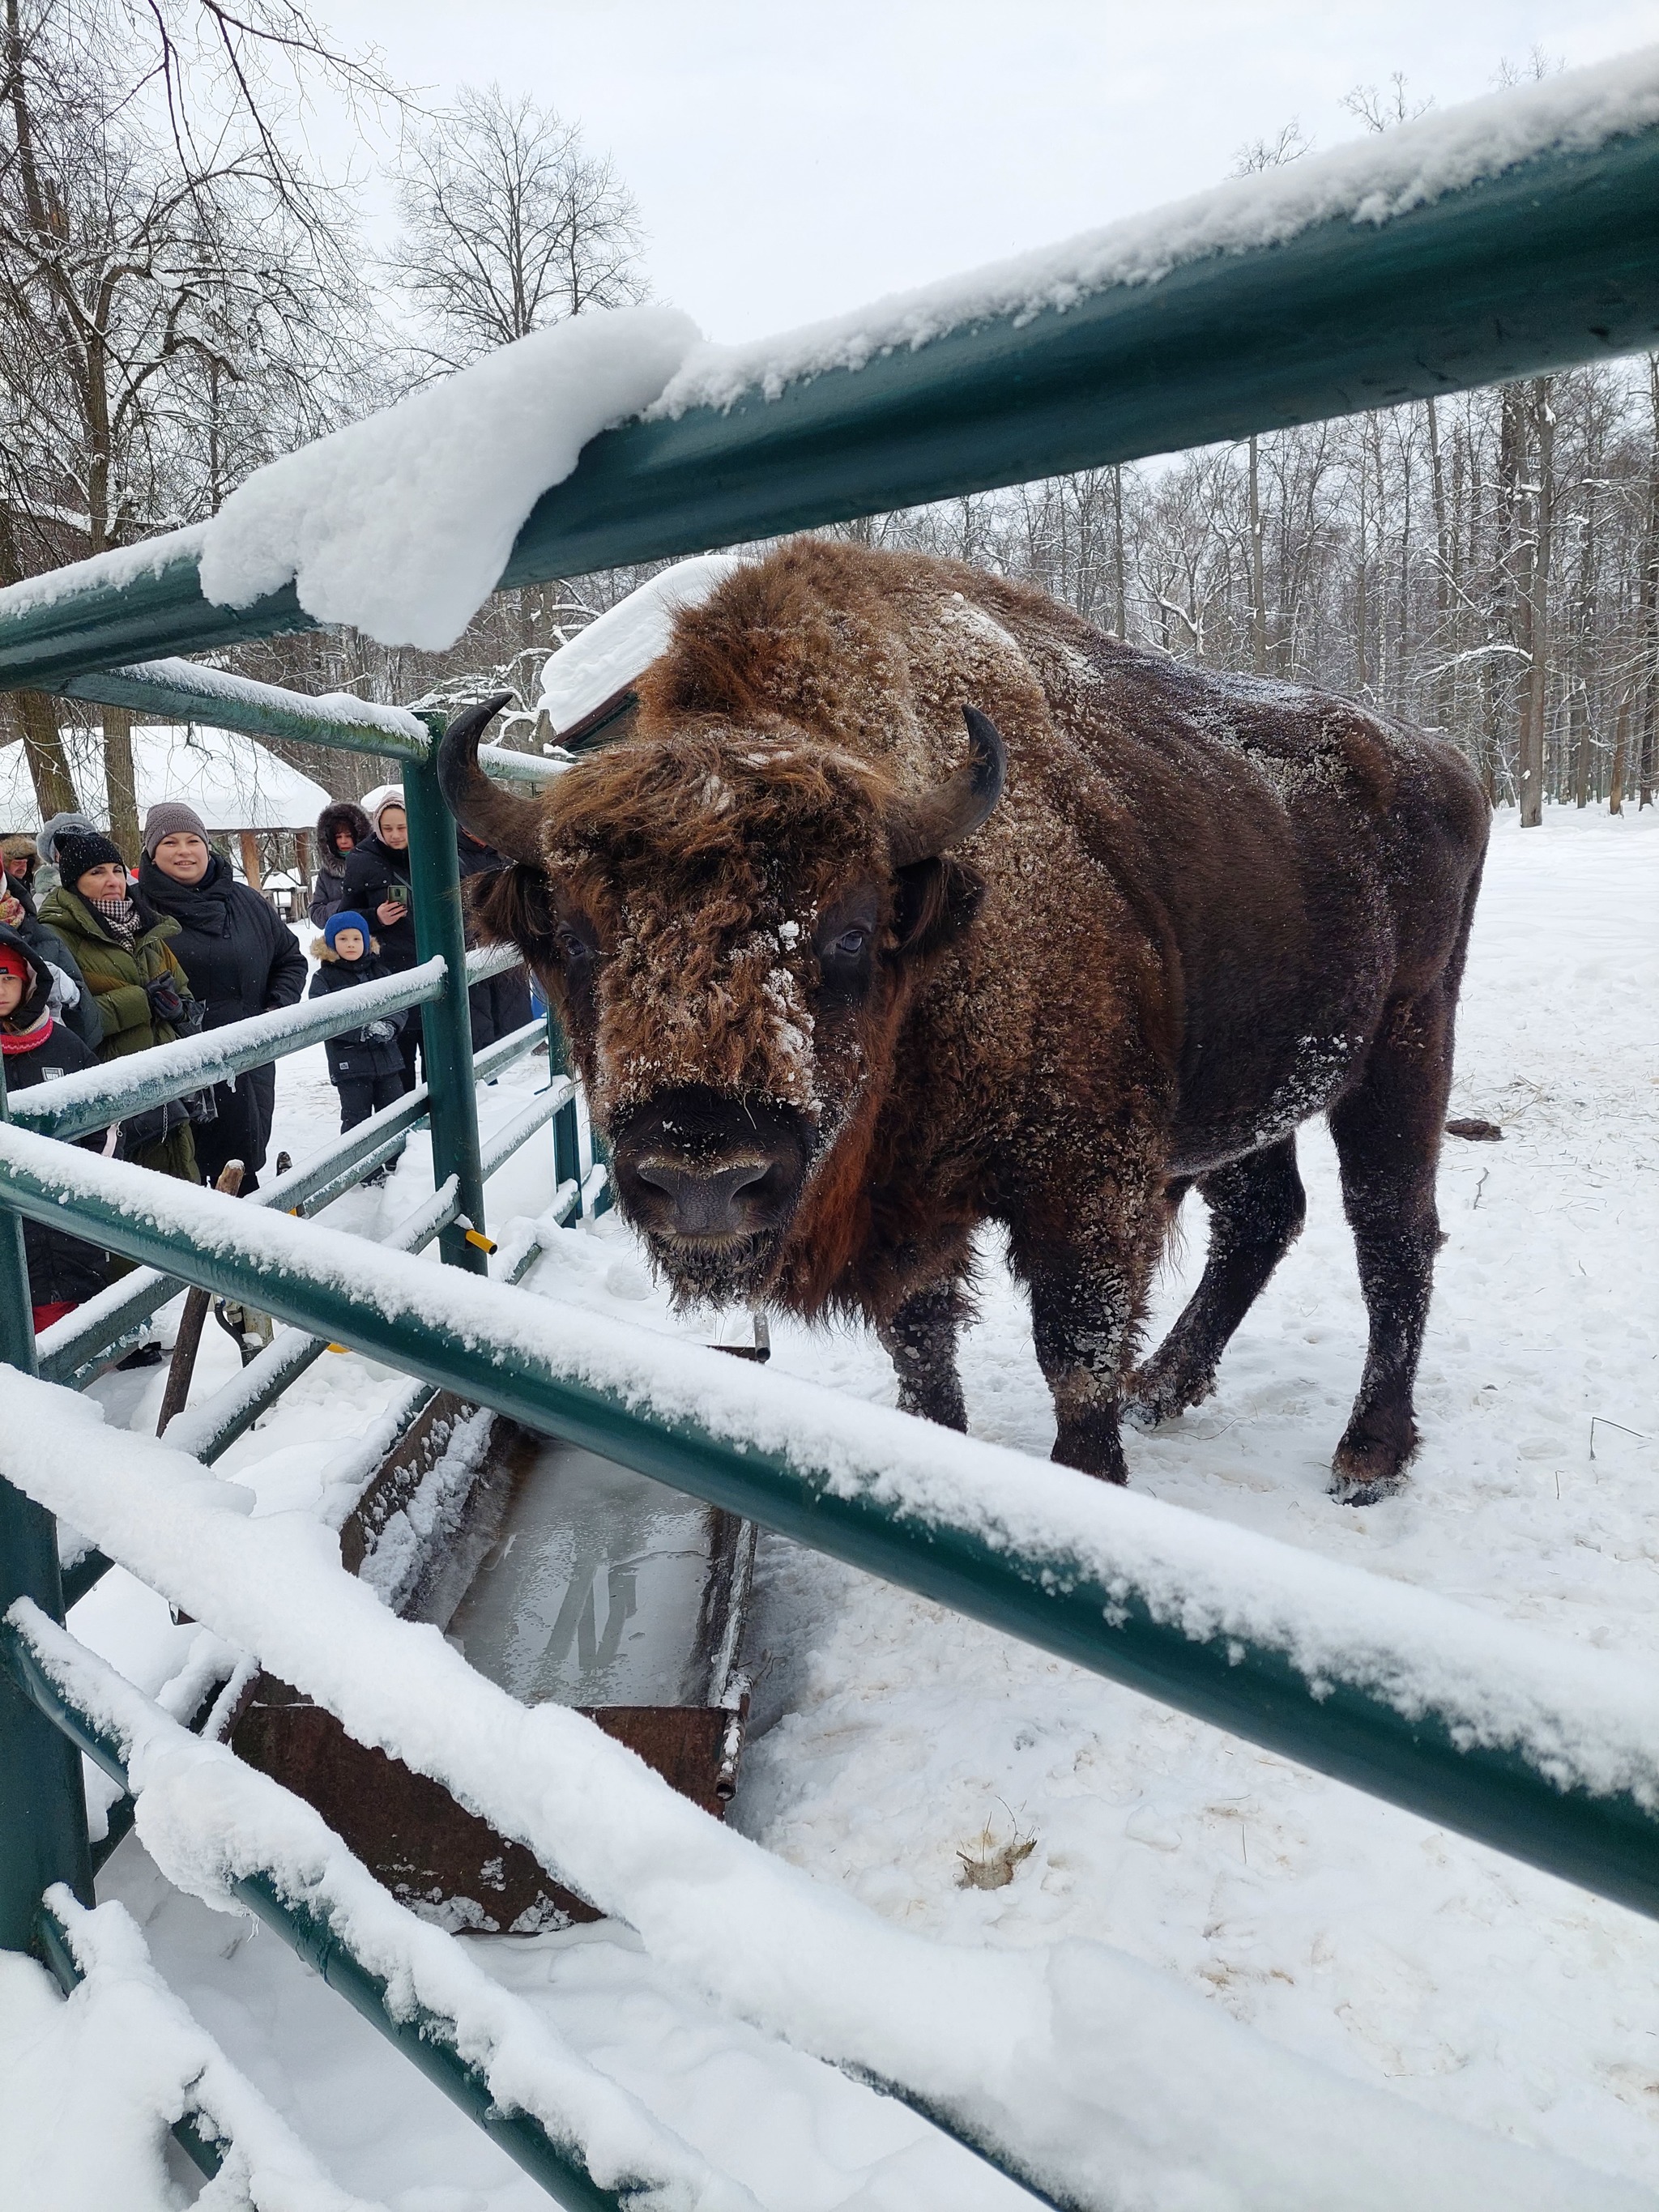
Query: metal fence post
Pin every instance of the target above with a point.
(435, 880)
(567, 1146)
(43, 1807)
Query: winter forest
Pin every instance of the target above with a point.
(181, 297)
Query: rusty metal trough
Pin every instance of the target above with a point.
(561, 1576)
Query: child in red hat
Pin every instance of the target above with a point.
(63, 1270)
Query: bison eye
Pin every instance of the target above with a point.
(573, 948)
(848, 945)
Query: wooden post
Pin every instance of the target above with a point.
(249, 840)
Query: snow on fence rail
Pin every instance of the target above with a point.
(1509, 238)
(165, 2062)
(70, 1105)
(1549, 1751)
(226, 1833)
(1089, 2077)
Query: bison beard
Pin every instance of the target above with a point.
(836, 1006)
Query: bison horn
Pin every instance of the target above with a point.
(509, 826)
(953, 810)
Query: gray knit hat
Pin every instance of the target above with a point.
(46, 843)
(171, 817)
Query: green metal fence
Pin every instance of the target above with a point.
(1554, 262)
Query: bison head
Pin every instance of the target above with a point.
(729, 922)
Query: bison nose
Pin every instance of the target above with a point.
(706, 1201)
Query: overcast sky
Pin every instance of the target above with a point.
(792, 159)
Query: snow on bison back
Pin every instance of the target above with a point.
(839, 996)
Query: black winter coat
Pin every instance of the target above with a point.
(371, 872)
(63, 1270)
(240, 960)
(328, 890)
(354, 1057)
(501, 1005)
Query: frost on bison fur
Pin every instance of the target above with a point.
(838, 998)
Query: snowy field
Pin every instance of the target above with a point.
(893, 1742)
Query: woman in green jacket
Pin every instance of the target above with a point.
(121, 943)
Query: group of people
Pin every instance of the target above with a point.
(362, 903)
(98, 961)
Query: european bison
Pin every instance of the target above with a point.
(837, 1000)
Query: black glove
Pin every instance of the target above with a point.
(164, 1004)
(153, 1126)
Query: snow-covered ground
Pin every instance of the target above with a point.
(893, 1740)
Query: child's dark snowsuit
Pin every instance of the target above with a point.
(366, 1071)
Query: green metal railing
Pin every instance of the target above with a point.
(1554, 261)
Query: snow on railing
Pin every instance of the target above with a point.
(162, 2061)
(67, 1346)
(1072, 2066)
(190, 691)
(223, 1832)
(70, 1105)
(209, 1429)
(506, 1140)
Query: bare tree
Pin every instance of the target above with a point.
(147, 295)
(509, 223)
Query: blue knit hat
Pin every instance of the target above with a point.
(347, 919)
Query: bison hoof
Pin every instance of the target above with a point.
(1154, 1398)
(1091, 1451)
(1367, 1469)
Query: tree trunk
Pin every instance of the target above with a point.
(1616, 788)
(1258, 585)
(1119, 579)
(1441, 701)
(1647, 619)
(1579, 741)
(120, 783)
(1534, 612)
(42, 749)
(36, 711)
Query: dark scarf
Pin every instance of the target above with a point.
(204, 907)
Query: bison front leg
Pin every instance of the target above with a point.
(921, 1341)
(1088, 1288)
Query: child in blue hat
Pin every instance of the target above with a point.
(365, 1065)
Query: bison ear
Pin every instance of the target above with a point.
(511, 906)
(936, 900)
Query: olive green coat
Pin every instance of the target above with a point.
(116, 974)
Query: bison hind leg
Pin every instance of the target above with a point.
(1387, 1131)
(921, 1339)
(1256, 1210)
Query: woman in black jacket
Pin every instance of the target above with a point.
(240, 960)
(63, 1270)
(377, 887)
(341, 827)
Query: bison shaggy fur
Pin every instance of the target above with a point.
(829, 1032)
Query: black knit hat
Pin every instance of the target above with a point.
(79, 850)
